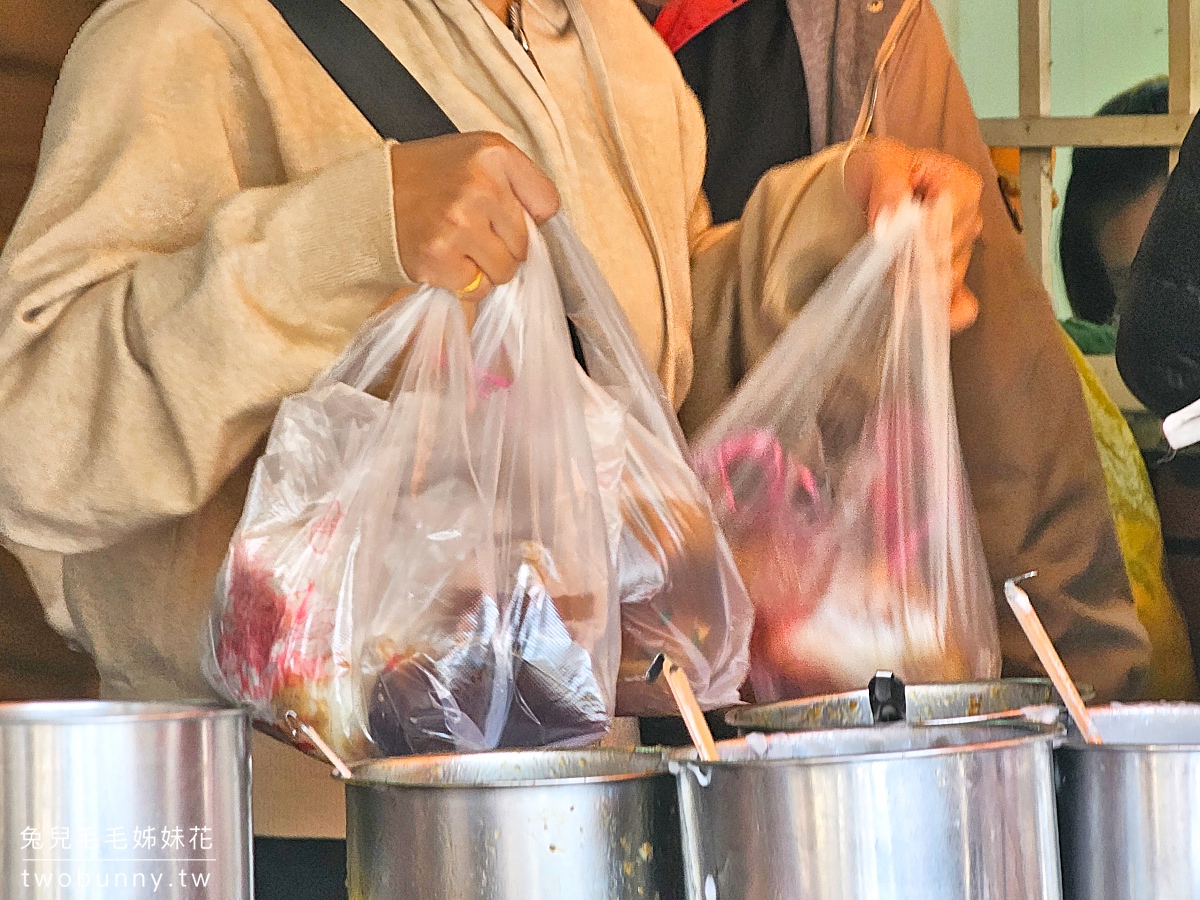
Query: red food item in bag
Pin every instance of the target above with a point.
(251, 624)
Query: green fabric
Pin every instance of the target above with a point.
(1090, 338)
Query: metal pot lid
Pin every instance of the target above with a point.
(891, 742)
(510, 768)
(927, 704)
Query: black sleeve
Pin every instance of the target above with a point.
(1158, 338)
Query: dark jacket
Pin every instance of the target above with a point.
(1158, 338)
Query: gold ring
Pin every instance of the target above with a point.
(475, 283)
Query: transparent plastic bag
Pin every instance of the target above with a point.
(836, 472)
(679, 590)
(281, 641)
(429, 572)
(343, 480)
(556, 610)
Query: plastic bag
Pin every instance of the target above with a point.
(679, 588)
(281, 641)
(836, 472)
(429, 572)
(550, 541)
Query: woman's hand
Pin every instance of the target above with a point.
(460, 205)
(880, 173)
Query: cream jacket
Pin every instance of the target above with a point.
(211, 222)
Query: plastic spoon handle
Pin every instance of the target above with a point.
(693, 716)
(1042, 645)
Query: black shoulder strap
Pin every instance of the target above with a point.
(384, 91)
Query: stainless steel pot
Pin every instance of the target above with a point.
(129, 800)
(896, 812)
(1129, 809)
(927, 704)
(545, 825)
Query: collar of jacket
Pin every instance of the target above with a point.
(682, 20)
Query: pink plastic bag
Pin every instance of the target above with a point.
(836, 472)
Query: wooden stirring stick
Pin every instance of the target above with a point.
(298, 727)
(1051, 661)
(693, 716)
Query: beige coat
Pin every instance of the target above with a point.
(211, 222)
(35, 662)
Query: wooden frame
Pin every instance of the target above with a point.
(1036, 132)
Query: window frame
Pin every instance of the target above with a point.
(1035, 132)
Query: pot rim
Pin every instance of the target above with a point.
(102, 712)
(1075, 742)
(748, 717)
(1026, 734)
(432, 762)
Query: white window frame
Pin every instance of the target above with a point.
(1035, 132)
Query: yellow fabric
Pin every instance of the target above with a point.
(1135, 513)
